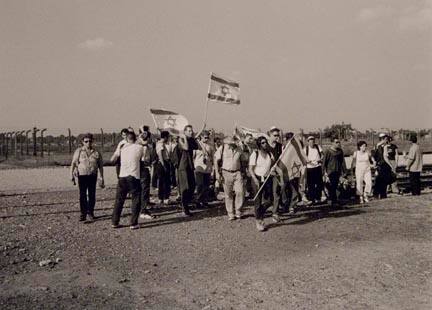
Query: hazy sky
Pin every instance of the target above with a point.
(91, 64)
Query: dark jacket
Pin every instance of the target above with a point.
(333, 161)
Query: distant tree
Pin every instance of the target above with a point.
(343, 131)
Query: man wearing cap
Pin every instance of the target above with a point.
(314, 182)
(228, 159)
(275, 147)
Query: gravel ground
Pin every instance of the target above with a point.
(41, 179)
(377, 256)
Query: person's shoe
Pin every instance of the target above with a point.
(133, 227)
(90, 219)
(231, 218)
(146, 216)
(115, 226)
(276, 218)
(260, 225)
(239, 217)
(291, 211)
(82, 218)
(168, 202)
(366, 198)
(362, 200)
(187, 213)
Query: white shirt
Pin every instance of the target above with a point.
(130, 156)
(203, 158)
(262, 163)
(313, 156)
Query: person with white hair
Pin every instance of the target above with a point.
(229, 172)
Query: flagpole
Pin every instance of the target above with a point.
(206, 108)
(154, 121)
(272, 168)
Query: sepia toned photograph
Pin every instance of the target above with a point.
(212, 155)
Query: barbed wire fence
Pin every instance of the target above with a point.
(43, 143)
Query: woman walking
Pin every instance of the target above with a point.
(362, 161)
(260, 163)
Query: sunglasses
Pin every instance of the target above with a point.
(87, 141)
(338, 142)
(276, 136)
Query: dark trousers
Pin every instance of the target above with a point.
(145, 180)
(154, 177)
(127, 185)
(314, 183)
(277, 192)
(173, 175)
(87, 186)
(382, 180)
(164, 181)
(415, 183)
(292, 192)
(202, 186)
(263, 200)
(332, 186)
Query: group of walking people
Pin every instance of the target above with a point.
(243, 168)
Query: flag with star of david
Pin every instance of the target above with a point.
(170, 121)
(292, 160)
(224, 90)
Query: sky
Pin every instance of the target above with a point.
(300, 63)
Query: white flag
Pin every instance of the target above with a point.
(224, 90)
(169, 121)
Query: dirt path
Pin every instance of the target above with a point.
(377, 256)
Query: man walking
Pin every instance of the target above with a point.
(228, 160)
(333, 168)
(314, 179)
(148, 158)
(183, 161)
(85, 164)
(275, 147)
(203, 161)
(414, 165)
(129, 180)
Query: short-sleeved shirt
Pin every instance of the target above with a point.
(87, 161)
(130, 156)
(415, 158)
(262, 163)
(314, 156)
(231, 158)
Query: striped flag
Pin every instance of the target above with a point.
(224, 90)
(292, 160)
(170, 121)
(243, 131)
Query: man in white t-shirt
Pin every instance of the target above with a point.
(314, 178)
(129, 180)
